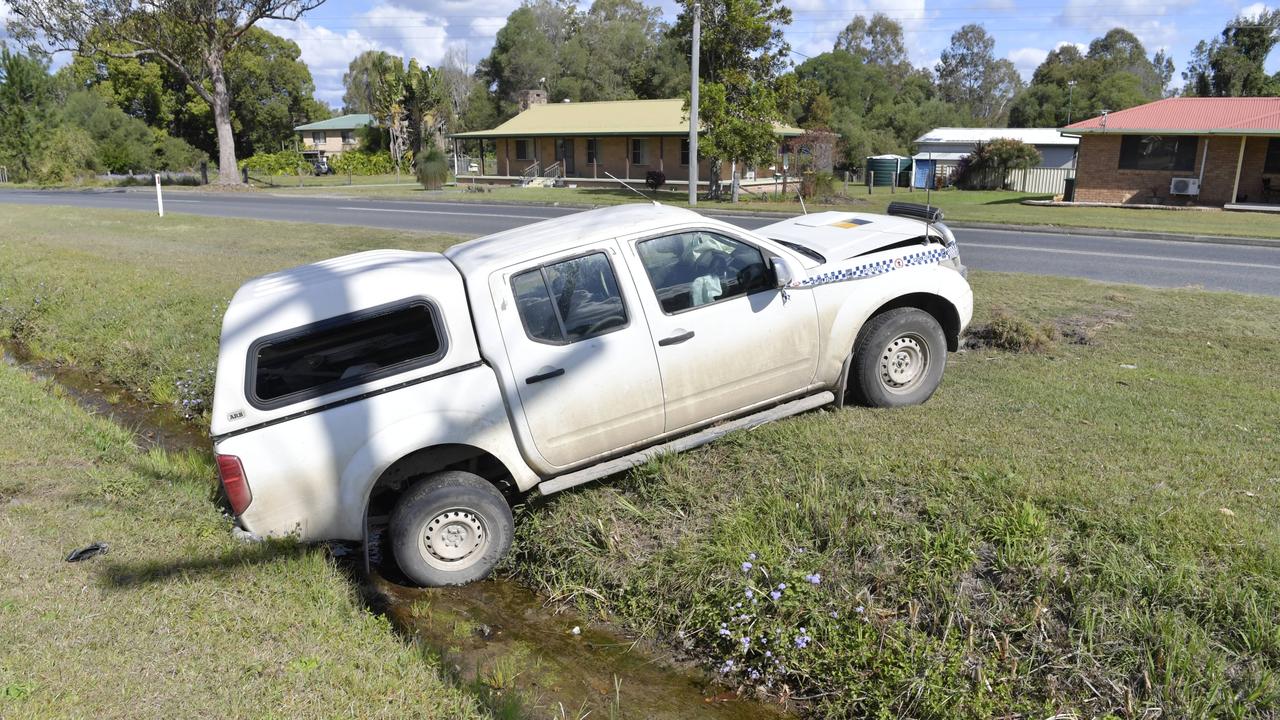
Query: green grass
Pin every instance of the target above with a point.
(139, 299)
(178, 619)
(960, 206)
(1088, 526)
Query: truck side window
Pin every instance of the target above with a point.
(343, 351)
(699, 268)
(569, 301)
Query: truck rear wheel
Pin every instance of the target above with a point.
(450, 528)
(899, 359)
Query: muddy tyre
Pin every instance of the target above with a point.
(450, 528)
(898, 360)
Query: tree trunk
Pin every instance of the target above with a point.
(228, 172)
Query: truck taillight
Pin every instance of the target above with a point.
(231, 472)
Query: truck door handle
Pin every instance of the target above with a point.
(543, 376)
(675, 339)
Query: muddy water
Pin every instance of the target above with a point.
(497, 637)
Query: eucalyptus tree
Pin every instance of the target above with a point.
(193, 37)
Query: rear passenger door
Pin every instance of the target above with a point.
(580, 353)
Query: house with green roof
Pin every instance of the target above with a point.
(334, 136)
(583, 143)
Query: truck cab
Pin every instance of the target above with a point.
(431, 391)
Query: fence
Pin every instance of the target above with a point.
(471, 165)
(1048, 181)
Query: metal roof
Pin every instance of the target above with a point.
(940, 156)
(612, 117)
(342, 122)
(1030, 136)
(1190, 116)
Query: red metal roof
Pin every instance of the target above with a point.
(1184, 115)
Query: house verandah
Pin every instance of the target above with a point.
(584, 144)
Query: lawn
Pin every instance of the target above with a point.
(960, 206)
(178, 619)
(1087, 528)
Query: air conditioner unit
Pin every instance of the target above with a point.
(1185, 186)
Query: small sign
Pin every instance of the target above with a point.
(235, 415)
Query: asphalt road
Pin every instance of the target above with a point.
(1160, 263)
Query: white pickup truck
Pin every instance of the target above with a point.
(436, 389)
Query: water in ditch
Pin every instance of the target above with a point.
(522, 656)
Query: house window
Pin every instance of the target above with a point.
(639, 152)
(1272, 165)
(317, 137)
(591, 151)
(1158, 152)
(341, 352)
(524, 150)
(684, 152)
(346, 137)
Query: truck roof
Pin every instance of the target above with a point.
(482, 256)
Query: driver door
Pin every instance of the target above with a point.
(725, 337)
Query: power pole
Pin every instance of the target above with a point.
(693, 106)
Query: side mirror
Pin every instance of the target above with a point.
(782, 276)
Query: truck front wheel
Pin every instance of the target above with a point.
(450, 528)
(899, 359)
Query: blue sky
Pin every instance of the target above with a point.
(1025, 30)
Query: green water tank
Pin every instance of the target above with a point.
(886, 169)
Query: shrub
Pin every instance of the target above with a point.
(820, 185)
(655, 179)
(430, 168)
(70, 155)
(985, 168)
(285, 162)
(362, 163)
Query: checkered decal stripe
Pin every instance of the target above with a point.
(880, 267)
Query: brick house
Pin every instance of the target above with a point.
(1207, 151)
(581, 142)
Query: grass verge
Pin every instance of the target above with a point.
(177, 619)
(1088, 526)
(995, 206)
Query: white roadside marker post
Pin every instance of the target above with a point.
(159, 197)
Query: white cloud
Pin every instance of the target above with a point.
(1254, 10)
(1140, 17)
(325, 52)
(1083, 48)
(1027, 59)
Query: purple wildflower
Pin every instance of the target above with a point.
(776, 595)
(814, 578)
(746, 567)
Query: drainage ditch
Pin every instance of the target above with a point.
(516, 653)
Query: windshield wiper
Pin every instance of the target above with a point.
(807, 252)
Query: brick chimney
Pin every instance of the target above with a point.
(529, 98)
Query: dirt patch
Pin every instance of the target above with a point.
(1084, 329)
(1011, 333)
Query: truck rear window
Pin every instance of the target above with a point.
(344, 351)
